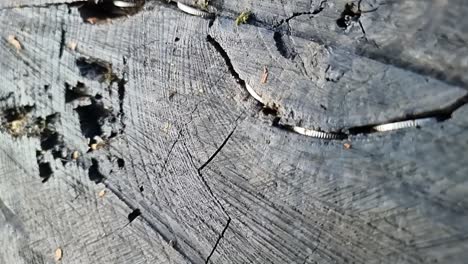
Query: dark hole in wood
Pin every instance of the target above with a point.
(94, 13)
(74, 93)
(267, 110)
(113, 134)
(93, 172)
(283, 46)
(92, 118)
(52, 118)
(121, 162)
(440, 115)
(45, 171)
(176, 39)
(142, 188)
(49, 139)
(133, 215)
(95, 69)
(17, 113)
(349, 14)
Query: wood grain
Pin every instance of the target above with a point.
(189, 168)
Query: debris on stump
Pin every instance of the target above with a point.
(14, 42)
(58, 254)
(243, 18)
(102, 193)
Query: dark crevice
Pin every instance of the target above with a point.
(62, 39)
(45, 171)
(166, 160)
(92, 12)
(52, 140)
(92, 117)
(218, 240)
(6, 97)
(96, 70)
(120, 163)
(13, 114)
(76, 92)
(103, 10)
(49, 139)
(219, 148)
(133, 215)
(297, 14)
(93, 172)
(121, 93)
(226, 58)
(19, 123)
(212, 20)
(351, 13)
(440, 115)
(284, 45)
(200, 174)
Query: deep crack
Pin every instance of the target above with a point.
(62, 39)
(218, 240)
(226, 58)
(440, 115)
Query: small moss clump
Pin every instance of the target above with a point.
(203, 4)
(243, 18)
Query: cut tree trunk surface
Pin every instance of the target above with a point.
(162, 137)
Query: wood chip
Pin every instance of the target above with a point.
(92, 20)
(14, 42)
(264, 75)
(347, 145)
(72, 45)
(58, 254)
(75, 155)
(102, 193)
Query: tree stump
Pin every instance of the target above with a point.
(311, 131)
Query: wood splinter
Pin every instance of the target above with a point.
(58, 254)
(14, 42)
(264, 75)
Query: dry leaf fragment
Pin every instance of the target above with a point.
(264, 75)
(58, 254)
(14, 41)
(347, 145)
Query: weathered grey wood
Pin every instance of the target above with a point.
(214, 178)
(327, 87)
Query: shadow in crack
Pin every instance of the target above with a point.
(97, 11)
